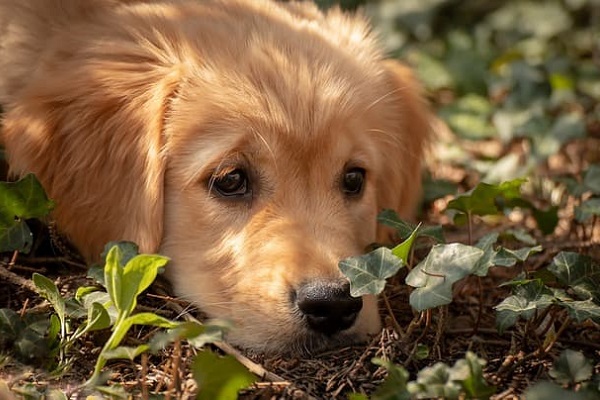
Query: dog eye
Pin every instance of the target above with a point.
(353, 182)
(232, 184)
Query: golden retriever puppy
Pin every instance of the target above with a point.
(252, 142)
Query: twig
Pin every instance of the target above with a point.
(16, 279)
(562, 328)
(13, 259)
(144, 376)
(388, 306)
(54, 260)
(253, 367)
(175, 369)
(479, 307)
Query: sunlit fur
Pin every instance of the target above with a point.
(125, 109)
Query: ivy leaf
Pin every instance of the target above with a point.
(435, 382)
(528, 297)
(23, 199)
(11, 326)
(551, 391)
(405, 229)
(578, 272)
(20, 201)
(128, 250)
(469, 117)
(571, 368)
(434, 276)
(469, 371)
(583, 310)
(219, 378)
(588, 209)
(367, 273)
(486, 243)
(394, 387)
(507, 257)
(485, 198)
(591, 179)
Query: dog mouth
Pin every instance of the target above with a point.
(323, 316)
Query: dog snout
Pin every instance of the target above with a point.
(328, 306)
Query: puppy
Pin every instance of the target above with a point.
(252, 142)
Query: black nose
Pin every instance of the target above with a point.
(328, 306)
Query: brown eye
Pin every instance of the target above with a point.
(353, 181)
(232, 184)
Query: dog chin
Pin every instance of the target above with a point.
(305, 344)
(296, 339)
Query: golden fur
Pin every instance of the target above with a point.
(126, 110)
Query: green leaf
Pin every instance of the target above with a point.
(114, 391)
(434, 382)
(98, 318)
(405, 229)
(436, 189)
(219, 378)
(125, 352)
(546, 220)
(486, 243)
(402, 250)
(528, 297)
(582, 310)
(128, 250)
(507, 257)
(138, 275)
(10, 327)
(47, 289)
(19, 201)
(124, 284)
(571, 368)
(521, 235)
(367, 273)
(56, 394)
(434, 276)
(587, 210)
(551, 391)
(394, 385)
(591, 180)
(484, 198)
(113, 277)
(577, 272)
(146, 318)
(469, 117)
(195, 333)
(32, 345)
(16, 237)
(470, 372)
(568, 127)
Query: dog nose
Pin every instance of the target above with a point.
(328, 306)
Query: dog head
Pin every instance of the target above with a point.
(255, 149)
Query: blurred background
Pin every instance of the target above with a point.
(517, 82)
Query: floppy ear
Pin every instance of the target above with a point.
(401, 189)
(89, 124)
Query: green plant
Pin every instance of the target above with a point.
(20, 201)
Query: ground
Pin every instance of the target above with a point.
(518, 99)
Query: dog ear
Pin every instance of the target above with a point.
(401, 189)
(89, 124)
